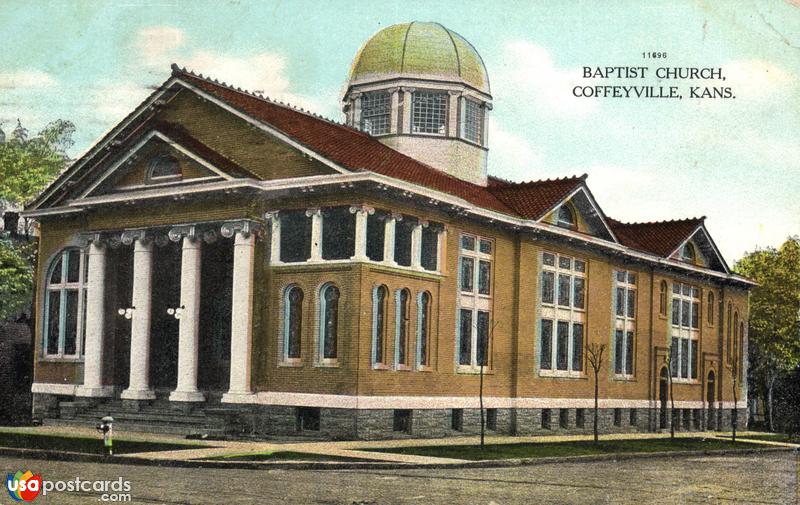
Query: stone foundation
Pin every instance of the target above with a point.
(374, 424)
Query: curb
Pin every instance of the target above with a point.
(378, 465)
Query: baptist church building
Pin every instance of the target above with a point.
(224, 263)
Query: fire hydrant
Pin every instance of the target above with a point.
(105, 427)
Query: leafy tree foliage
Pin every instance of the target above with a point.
(28, 164)
(774, 325)
(16, 276)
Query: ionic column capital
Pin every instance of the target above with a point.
(177, 233)
(128, 237)
(364, 209)
(244, 227)
(453, 92)
(94, 238)
(272, 215)
(316, 211)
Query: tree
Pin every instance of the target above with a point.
(671, 352)
(27, 165)
(774, 329)
(595, 357)
(16, 277)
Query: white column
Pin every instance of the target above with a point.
(441, 244)
(454, 113)
(274, 237)
(395, 103)
(316, 234)
(362, 214)
(95, 321)
(356, 97)
(416, 245)
(241, 314)
(139, 383)
(407, 105)
(189, 322)
(388, 238)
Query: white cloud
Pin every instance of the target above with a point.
(528, 78)
(512, 156)
(26, 79)
(157, 44)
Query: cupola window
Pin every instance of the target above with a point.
(163, 167)
(429, 112)
(376, 112)
(473, 121)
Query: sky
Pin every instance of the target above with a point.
(736, 161)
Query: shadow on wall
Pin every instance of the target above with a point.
(16, 373)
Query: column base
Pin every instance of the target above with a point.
(238, 397)
(187, 396)
(138, 394)
(94, 392)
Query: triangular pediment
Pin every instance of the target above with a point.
(159, 159)
(700, 250)
(579, 212)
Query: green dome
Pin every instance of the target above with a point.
(427, 50)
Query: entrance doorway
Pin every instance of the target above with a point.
(166, 292)
(119, 272)
(215, 316)
(663, 395)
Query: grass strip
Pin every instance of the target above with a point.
(85, 445)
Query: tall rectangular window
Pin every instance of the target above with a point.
(295, 236)
(376, 111)
(338, 233)
(475, 287)
(473, 121)
(685, 331)
(624, 321)
(563, 302)
(429, 112)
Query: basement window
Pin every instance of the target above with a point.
(402, 421)
(308, 418)
(457, 419)
(580, 418)
(491, 419)
(338, 233)
(295, 236)
(545, 419)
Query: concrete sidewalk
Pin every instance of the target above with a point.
(357, 450)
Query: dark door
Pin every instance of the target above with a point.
(710, 399)
(164, 327)
(215, 315)
(119, 272)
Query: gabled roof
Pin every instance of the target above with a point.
(350, 148)
(665, 238)
(533, 199)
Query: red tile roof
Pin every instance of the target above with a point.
(660, 238)
(533, 199)
(352, 149)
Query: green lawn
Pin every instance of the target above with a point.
(84, 445)
(284, 456)
(577, 448)
(771, 437)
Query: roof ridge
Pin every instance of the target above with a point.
(663, 221)
(541, 181)
(260, 96)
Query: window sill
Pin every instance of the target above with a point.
(473, 370)
(290, 363)
(381, 366)
(685, 381)
(404, 368)
(328, 363)
(425, 368)
(562, 374)
(624, 378)
(60, 359)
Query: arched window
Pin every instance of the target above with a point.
(735, 351)
(729, 339)
(380, 296)
(662, 304)
(566, 218)
(329, 322)
(402, 313)
(688, 253)
(423, 328)
(710, 308)
(65, 307)
(292, 322)
(163, 167)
